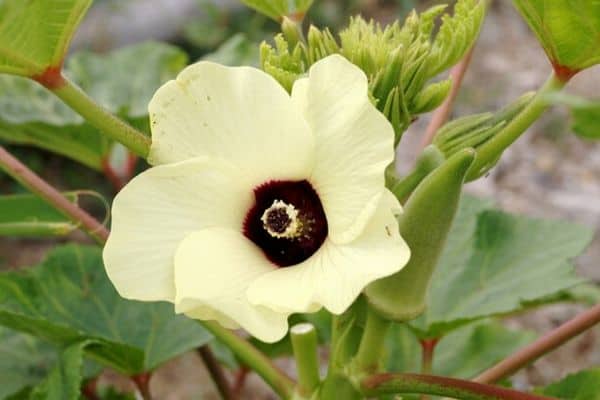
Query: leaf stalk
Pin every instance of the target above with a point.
(541, 346)
(98, 116)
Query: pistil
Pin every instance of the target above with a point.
(281, 220)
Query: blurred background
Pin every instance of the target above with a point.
(549, 173)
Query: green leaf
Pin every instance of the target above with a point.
(584, 385)
(123, 81)
(463, 353)
(28, 215)
(569, 31)
(64, 380)
(68, 297)
(277, 9)
(585, 114)
(34, 371)
(235, 51)
(24, 361)
(35, 34)
(110, 393)
(494, 263)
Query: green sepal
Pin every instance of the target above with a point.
(569, 32)
(431, 97)
(489, 151)
(424, 224)
(292, 31)
(474, 131)
(280, 63)
(398, 59)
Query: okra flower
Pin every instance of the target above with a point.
(259, 204)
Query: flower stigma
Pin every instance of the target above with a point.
(281, 220)
(287, 221)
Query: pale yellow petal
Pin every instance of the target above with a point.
(240, 114)
(300, 95)
(336, 274)
(156, 210)
(354, 144)
(213, 269)
(205, 313)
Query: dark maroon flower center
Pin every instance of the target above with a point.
(287, 221)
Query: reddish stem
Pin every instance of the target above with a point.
(89, 389)
(111, 175)
(427, 350)
(118, 179)
(441, 114)
(563, 73)
(240, 381)
(427, 347)
(216, 372)
(130, 167)
(438, 385)
(51, 78)
(142, 382)
(543, 345)
(37, 185)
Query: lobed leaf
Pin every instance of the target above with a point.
(35, 34)
(24, 361)
(123, 81)
(584, 385)
(277, 9)
(494, 263)
(585, 114)
(69, 298)
(64, 380)
(463, 353)
(569, 31)
(235, 51)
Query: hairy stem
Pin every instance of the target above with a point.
(441, 114)
(543, 345)
(253, 358)
(38, 186)
(101, 118)
(440, 386)
(216, 372)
